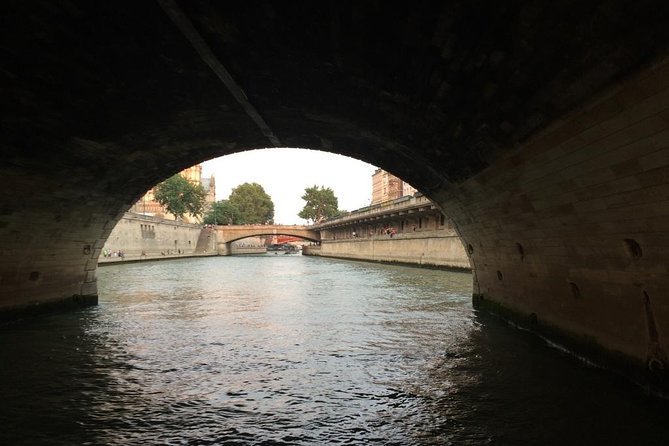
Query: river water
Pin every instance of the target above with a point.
(292, 350)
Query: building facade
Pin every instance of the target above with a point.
(386, 186)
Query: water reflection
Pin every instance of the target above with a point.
(293, 350)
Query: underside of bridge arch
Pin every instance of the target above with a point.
(540, 128)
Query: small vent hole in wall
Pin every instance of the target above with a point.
(34, 276)
(633, 248)
(521, 251)
(499, 275)
(575, 291)
(470, 249)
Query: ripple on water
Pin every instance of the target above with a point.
(288, 350)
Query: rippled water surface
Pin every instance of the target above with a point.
(283, 350)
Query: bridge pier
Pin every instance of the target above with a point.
(226, 234)
(224, 248)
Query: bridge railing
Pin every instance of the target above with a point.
(264, 227)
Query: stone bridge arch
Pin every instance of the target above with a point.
(226, 234)
(541, 130)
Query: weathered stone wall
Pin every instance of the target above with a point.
(49, 260)
(571, 230)
(136, 233)
(432, 248)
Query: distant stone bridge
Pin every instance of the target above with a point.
(226, 234)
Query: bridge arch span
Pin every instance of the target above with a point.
(542, 133)
(232, 233)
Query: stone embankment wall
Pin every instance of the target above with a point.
(428, 248)
(143, 237)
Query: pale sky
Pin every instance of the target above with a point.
(285, 173)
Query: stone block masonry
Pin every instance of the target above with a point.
(141, 237)
(430, 248)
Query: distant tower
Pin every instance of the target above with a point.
(209, 186)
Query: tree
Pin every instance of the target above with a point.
(180, 196)
(253, 204)
(222, 213)
(321, 204)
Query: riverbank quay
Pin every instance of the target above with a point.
(134, 258)
(153, 258)
(138, 236)
(435, 248)
(409, 230)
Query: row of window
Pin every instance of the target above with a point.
(148, 231)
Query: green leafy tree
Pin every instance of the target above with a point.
(253, 204)
(222, 213)
(321, 204)
(180, 196)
